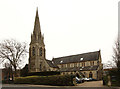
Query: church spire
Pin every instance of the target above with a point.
(37, 23)
(37, 50)
(37, 36)
(37, 12)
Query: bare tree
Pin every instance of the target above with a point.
(116, 55)
(109, 64)
(12, 51)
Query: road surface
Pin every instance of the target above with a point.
(86, 85)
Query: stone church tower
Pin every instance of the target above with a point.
(37, 59)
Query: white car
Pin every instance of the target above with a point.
(79, 80)
(86, 79)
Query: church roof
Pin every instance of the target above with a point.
(91, 56)
(51, 64)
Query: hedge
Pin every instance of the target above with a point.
(105, 80)
(114, 81)
(58, 80)
(115, 77)
(7, 82)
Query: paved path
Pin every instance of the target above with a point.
(25, 85)
(91, 84)
(85, 85)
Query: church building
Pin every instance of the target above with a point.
(86, 65)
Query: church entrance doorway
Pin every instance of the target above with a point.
(90, 75)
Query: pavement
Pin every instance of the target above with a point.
(95, 84)
(85, 85)
(26, 85)
(91, 84)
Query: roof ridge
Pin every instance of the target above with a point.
(76, 54)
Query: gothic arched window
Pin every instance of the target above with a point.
(33, 51)
(40, 51)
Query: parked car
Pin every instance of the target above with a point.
(89, 79)
(86, 79)
(79, 80)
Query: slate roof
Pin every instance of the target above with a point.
(51, 64)
(77, 58)
(87, 68)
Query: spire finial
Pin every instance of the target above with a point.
(37, 9)
(37, 12)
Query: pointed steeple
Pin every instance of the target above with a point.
(37, 13)
(37, 23)
(37, 36)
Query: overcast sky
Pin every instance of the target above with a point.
(69, 26)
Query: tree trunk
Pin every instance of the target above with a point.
(15, 73)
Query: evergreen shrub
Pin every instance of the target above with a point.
(58, 80)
